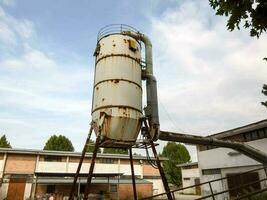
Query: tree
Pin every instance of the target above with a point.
(251, 12)
(4, 143)
(58, 143)
(90, 147)
(176, 154)
(115, 151)
(264, 91)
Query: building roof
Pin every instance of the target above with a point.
(187, 164)
(242, 129)
(66, 153)
(56, 174)
(94, 181)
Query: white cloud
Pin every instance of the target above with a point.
(29, 60)
(209, 79)
(7, 36)
(24, 28)
(8, 2)
(39, 95)
(12, 30)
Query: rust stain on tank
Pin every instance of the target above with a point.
(107, 126)
(124, 111)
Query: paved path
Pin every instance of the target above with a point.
(186, 197)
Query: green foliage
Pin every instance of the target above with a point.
(251, 12)
(58, 143)
(90, 147)
(4, 143)
(115, 151)
(177, 154)
(262, 196)
(264, 91)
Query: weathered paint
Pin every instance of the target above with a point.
(118, 90)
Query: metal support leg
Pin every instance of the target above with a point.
(72, 192)
(92, 165)
(133, 177)
(163, 177)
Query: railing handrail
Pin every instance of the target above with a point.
(207, 182)
(113, 29)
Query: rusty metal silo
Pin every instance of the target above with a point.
(117, 99)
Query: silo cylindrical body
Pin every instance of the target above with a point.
(118, 90)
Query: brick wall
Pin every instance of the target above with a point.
(143, 190)
(20, 164)
(148, 170)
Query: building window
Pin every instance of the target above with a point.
(50, 189)
(53, 158)
(187, 179)
(211, 171)
(113, 188)
(255, 135)
(106, 160)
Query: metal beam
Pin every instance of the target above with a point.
(133, 176)
(72, 192)
(162, 174)
(91, 169)
(192, 139)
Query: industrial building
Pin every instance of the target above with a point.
(215, 163)
(27, 173)
(190, 176)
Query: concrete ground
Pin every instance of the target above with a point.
(186, 197)
(181, 197)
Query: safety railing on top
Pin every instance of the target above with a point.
(113, 29)
(242, 192)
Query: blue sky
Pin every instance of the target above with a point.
(209, 79)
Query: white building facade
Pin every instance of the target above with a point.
(215, 163)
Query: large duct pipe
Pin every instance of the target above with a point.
(192, 139)
(151, 111)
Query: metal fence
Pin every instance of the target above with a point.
(244, 191)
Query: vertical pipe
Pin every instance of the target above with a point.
(35, 188)
(34, 176)
(163, 177)
(108, 187)
(133, 177)
(92, 165)
(118, 188)
(151, 110)
(71, 196)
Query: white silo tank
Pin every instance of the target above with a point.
(118, 89)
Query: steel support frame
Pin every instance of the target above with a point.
(132, 171)
(91, 169)
(162, 174)
(161, 171)
(72, 192)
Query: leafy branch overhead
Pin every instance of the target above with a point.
(264, 91)
(252, 13)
